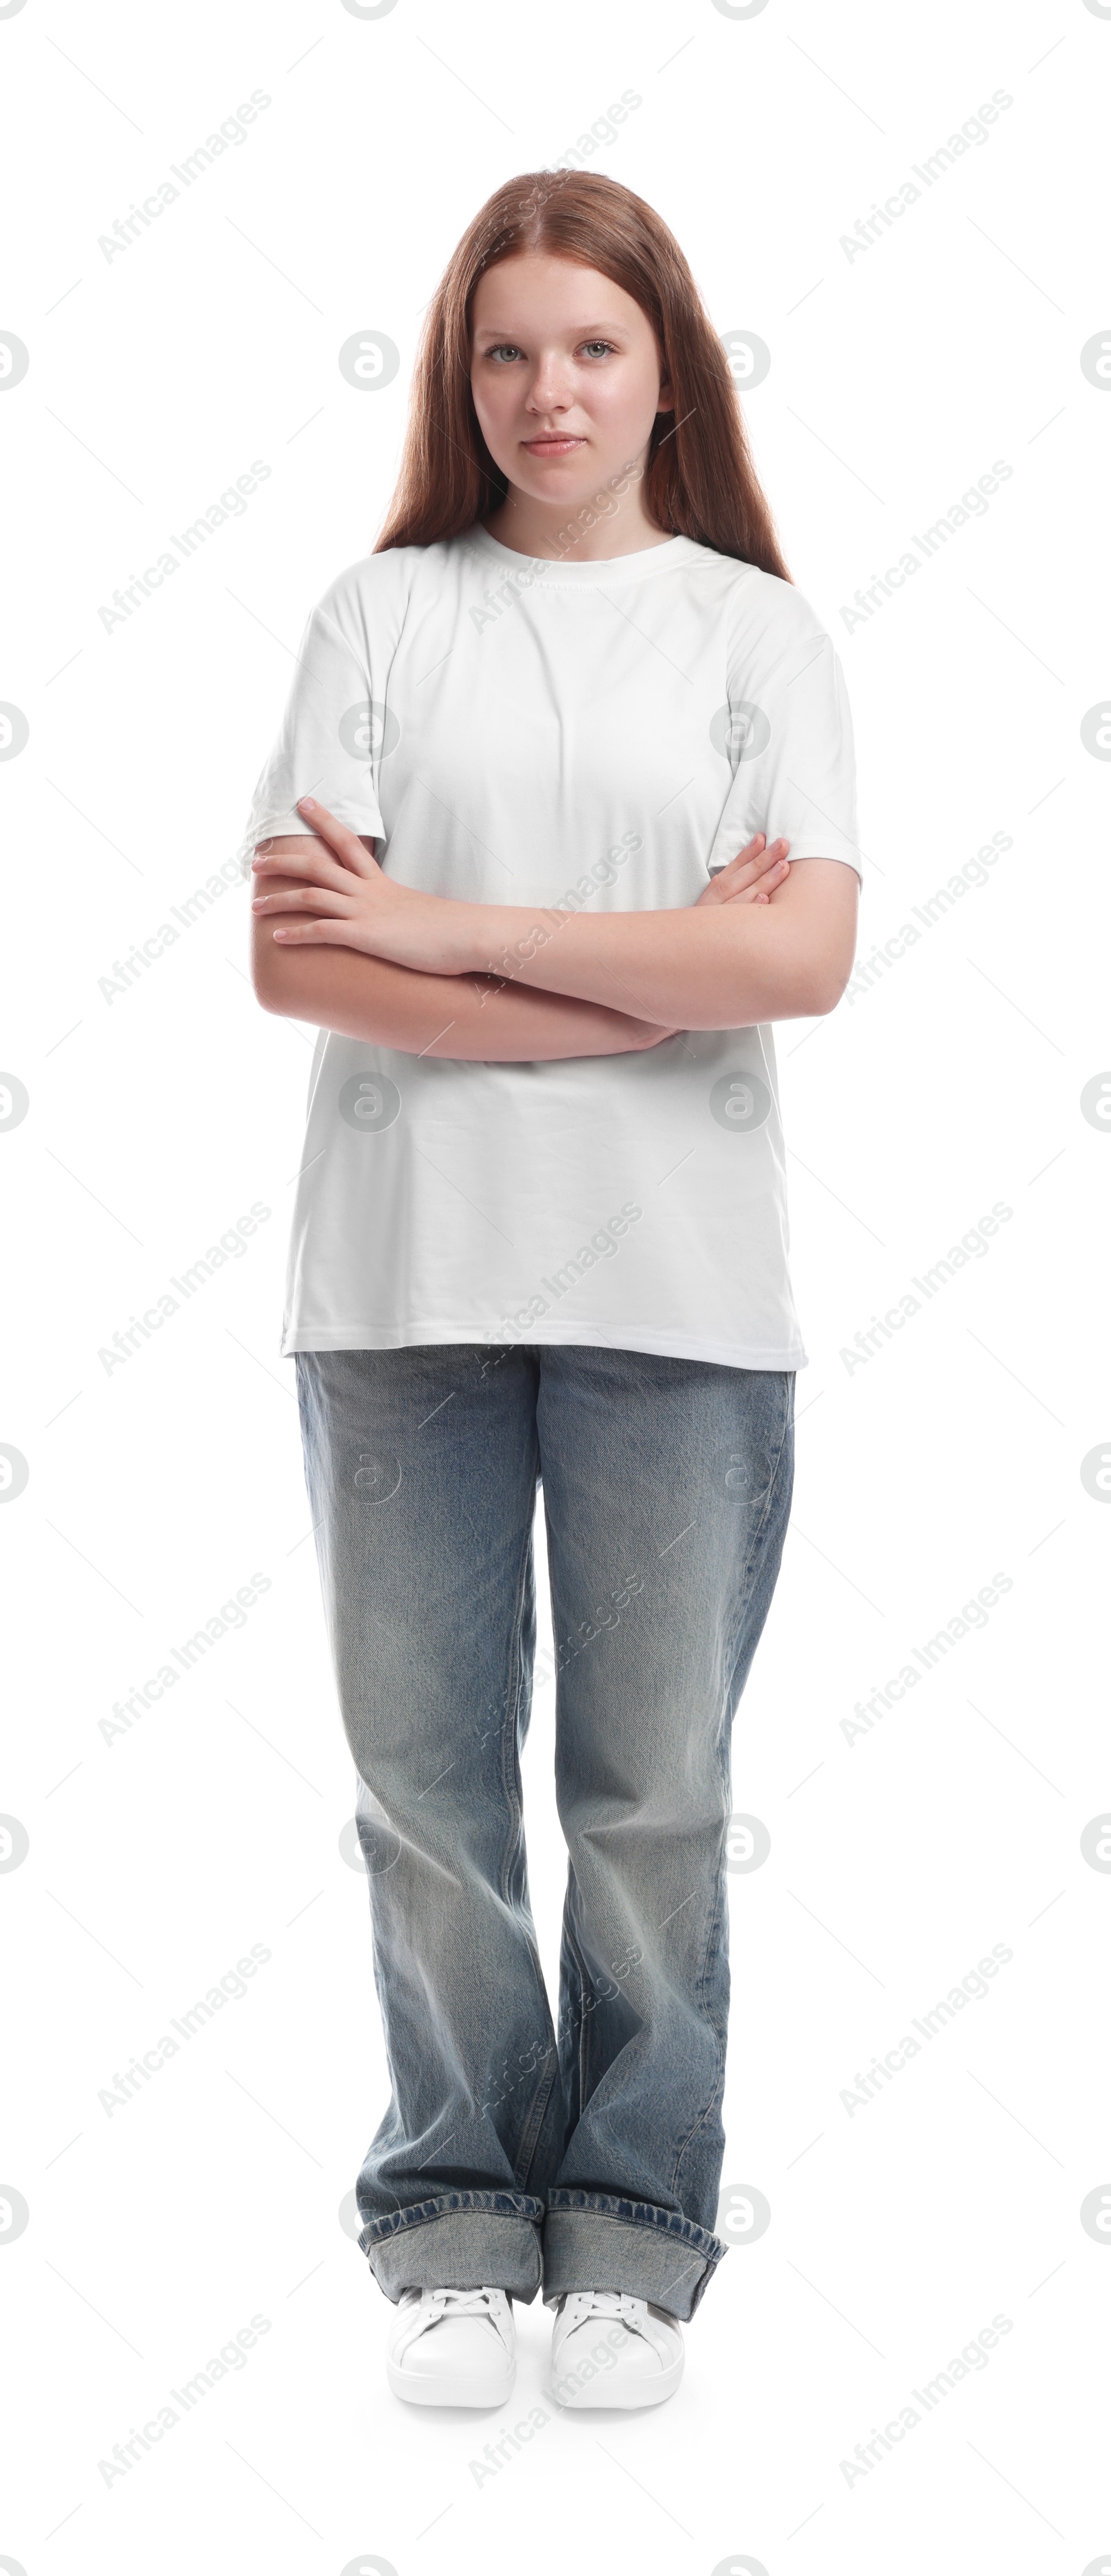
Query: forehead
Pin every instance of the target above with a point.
(561, 293)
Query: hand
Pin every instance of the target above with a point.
(752, 876)
(348, 902)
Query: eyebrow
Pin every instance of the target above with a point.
(580, 329)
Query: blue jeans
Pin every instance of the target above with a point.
(514, 2154)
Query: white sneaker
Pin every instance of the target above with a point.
(452, 2348)
(612, 2350)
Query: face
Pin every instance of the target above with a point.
(565, 373)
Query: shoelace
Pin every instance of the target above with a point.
(429, 2307)
(462, 2303)
(603, 2303)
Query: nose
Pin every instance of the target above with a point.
(549, 391)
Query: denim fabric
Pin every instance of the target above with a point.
(515, 2154)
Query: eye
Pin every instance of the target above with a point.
(504, 349)
(605, 346)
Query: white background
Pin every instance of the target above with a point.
(156, 1118)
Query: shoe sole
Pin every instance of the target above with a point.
(636, 2393)
(417, 2390)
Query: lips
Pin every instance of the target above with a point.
(551, 446)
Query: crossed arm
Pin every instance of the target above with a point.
(340, 945)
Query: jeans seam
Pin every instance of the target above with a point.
(758, 1533)
(717, 1912)
(395, 2224)
(652, 2225)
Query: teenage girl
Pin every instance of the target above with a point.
(521, 855)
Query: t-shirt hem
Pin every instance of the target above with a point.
(662, 1344)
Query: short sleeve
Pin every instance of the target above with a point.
(789, 740)
(327, 744)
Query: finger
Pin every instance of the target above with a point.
(764, 886)
(726, 882)
(317, 865)
(751, 857)
(310, 934)
(346, 845)
(311, 898)
(742, 871)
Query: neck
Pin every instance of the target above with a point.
(621, 526)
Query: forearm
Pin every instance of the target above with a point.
(713, 968)
(470, 1018)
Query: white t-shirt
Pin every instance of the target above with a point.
(594, 735)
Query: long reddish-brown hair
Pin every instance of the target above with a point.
(700, 480)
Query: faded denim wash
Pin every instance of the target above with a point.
(514, 2154)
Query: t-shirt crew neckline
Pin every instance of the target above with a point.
(604, 572)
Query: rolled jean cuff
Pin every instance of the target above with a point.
(596, 2241)
(462, 2240)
